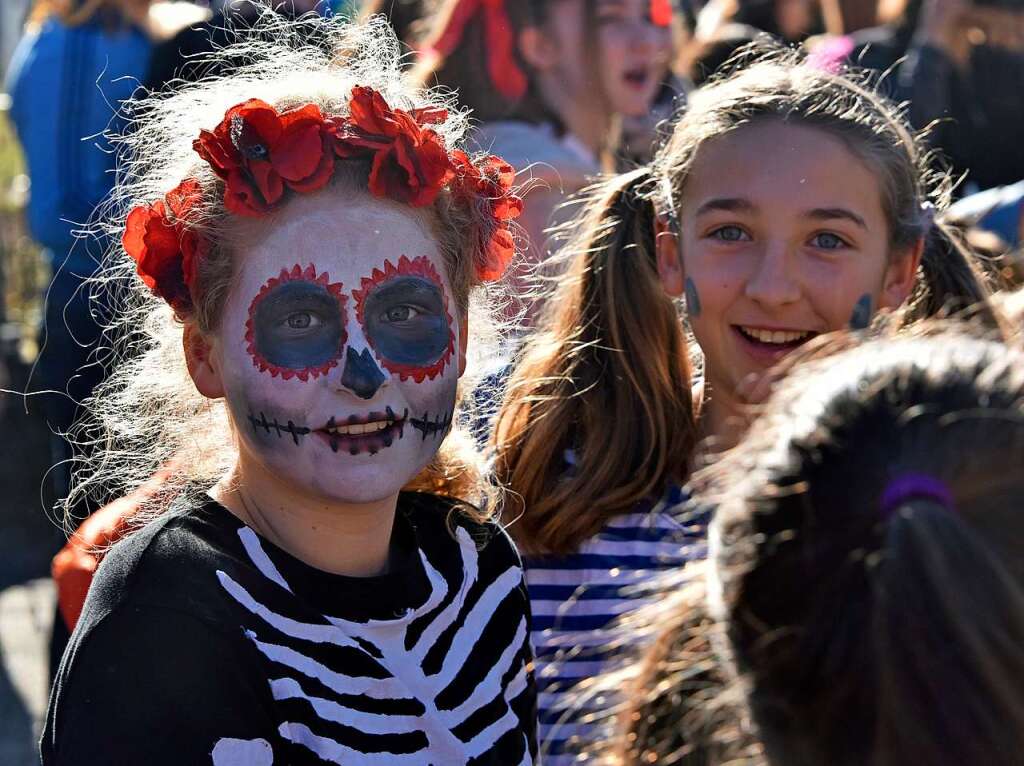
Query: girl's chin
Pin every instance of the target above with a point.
(633, 106)
(347, 479)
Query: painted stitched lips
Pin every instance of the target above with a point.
(355, 434)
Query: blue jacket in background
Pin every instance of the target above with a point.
(66, 84)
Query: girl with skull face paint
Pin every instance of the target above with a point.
(323, 592)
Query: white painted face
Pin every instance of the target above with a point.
(339, 346)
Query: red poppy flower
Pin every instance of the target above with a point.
(165, 252)
(410, 163)
(258, 152)
(491, 179)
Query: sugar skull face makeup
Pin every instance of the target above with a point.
(339, 346)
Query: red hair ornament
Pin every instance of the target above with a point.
(258, 151)
(410, 164)
(166, 252)
(661, 12)
(500, 43)
(261, 154)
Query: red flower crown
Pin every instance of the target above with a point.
(261, 153)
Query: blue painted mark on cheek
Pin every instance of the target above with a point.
(862, 311)
(693, 306)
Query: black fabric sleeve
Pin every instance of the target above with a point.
(155, 686)
(525, 705)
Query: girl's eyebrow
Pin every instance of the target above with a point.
(830, 213)
(727, 204)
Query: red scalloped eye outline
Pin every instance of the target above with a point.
(417, 267)
(296, 274)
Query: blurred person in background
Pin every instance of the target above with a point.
(789, 20)
(992, 222)
(78, 60)
(869, 35)
(964, 73)
(187, 55)
(409, 18)
(722, 27)
(548, 80)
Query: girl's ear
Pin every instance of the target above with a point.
(536, 48)
(463, 342)
(670, 264)
(201, 365)
(900, 276)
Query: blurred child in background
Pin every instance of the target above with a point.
(547, 79)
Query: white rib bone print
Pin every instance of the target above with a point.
(408, 680)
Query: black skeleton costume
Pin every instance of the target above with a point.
(202, 643)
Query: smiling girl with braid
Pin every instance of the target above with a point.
(300, 241)
(788, 203)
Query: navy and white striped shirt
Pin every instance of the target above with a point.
(576, 599)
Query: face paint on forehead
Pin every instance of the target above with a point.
(404, 313)
(296, 324)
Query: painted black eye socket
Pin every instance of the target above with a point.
(298, 325)
(407, 322)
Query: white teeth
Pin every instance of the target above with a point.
(774, 336)
(360, 428)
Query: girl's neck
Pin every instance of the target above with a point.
(583, 118)
(340, 538)
(723, 419)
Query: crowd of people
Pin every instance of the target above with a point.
(532, 381)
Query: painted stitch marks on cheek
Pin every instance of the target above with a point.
(296, 325)
(435, 426)
(404, 312)
(265, 427)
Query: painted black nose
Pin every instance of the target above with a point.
(362, 376)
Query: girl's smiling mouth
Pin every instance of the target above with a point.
(768, 345)
(356, 434)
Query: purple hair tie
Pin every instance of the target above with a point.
(914, 486)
